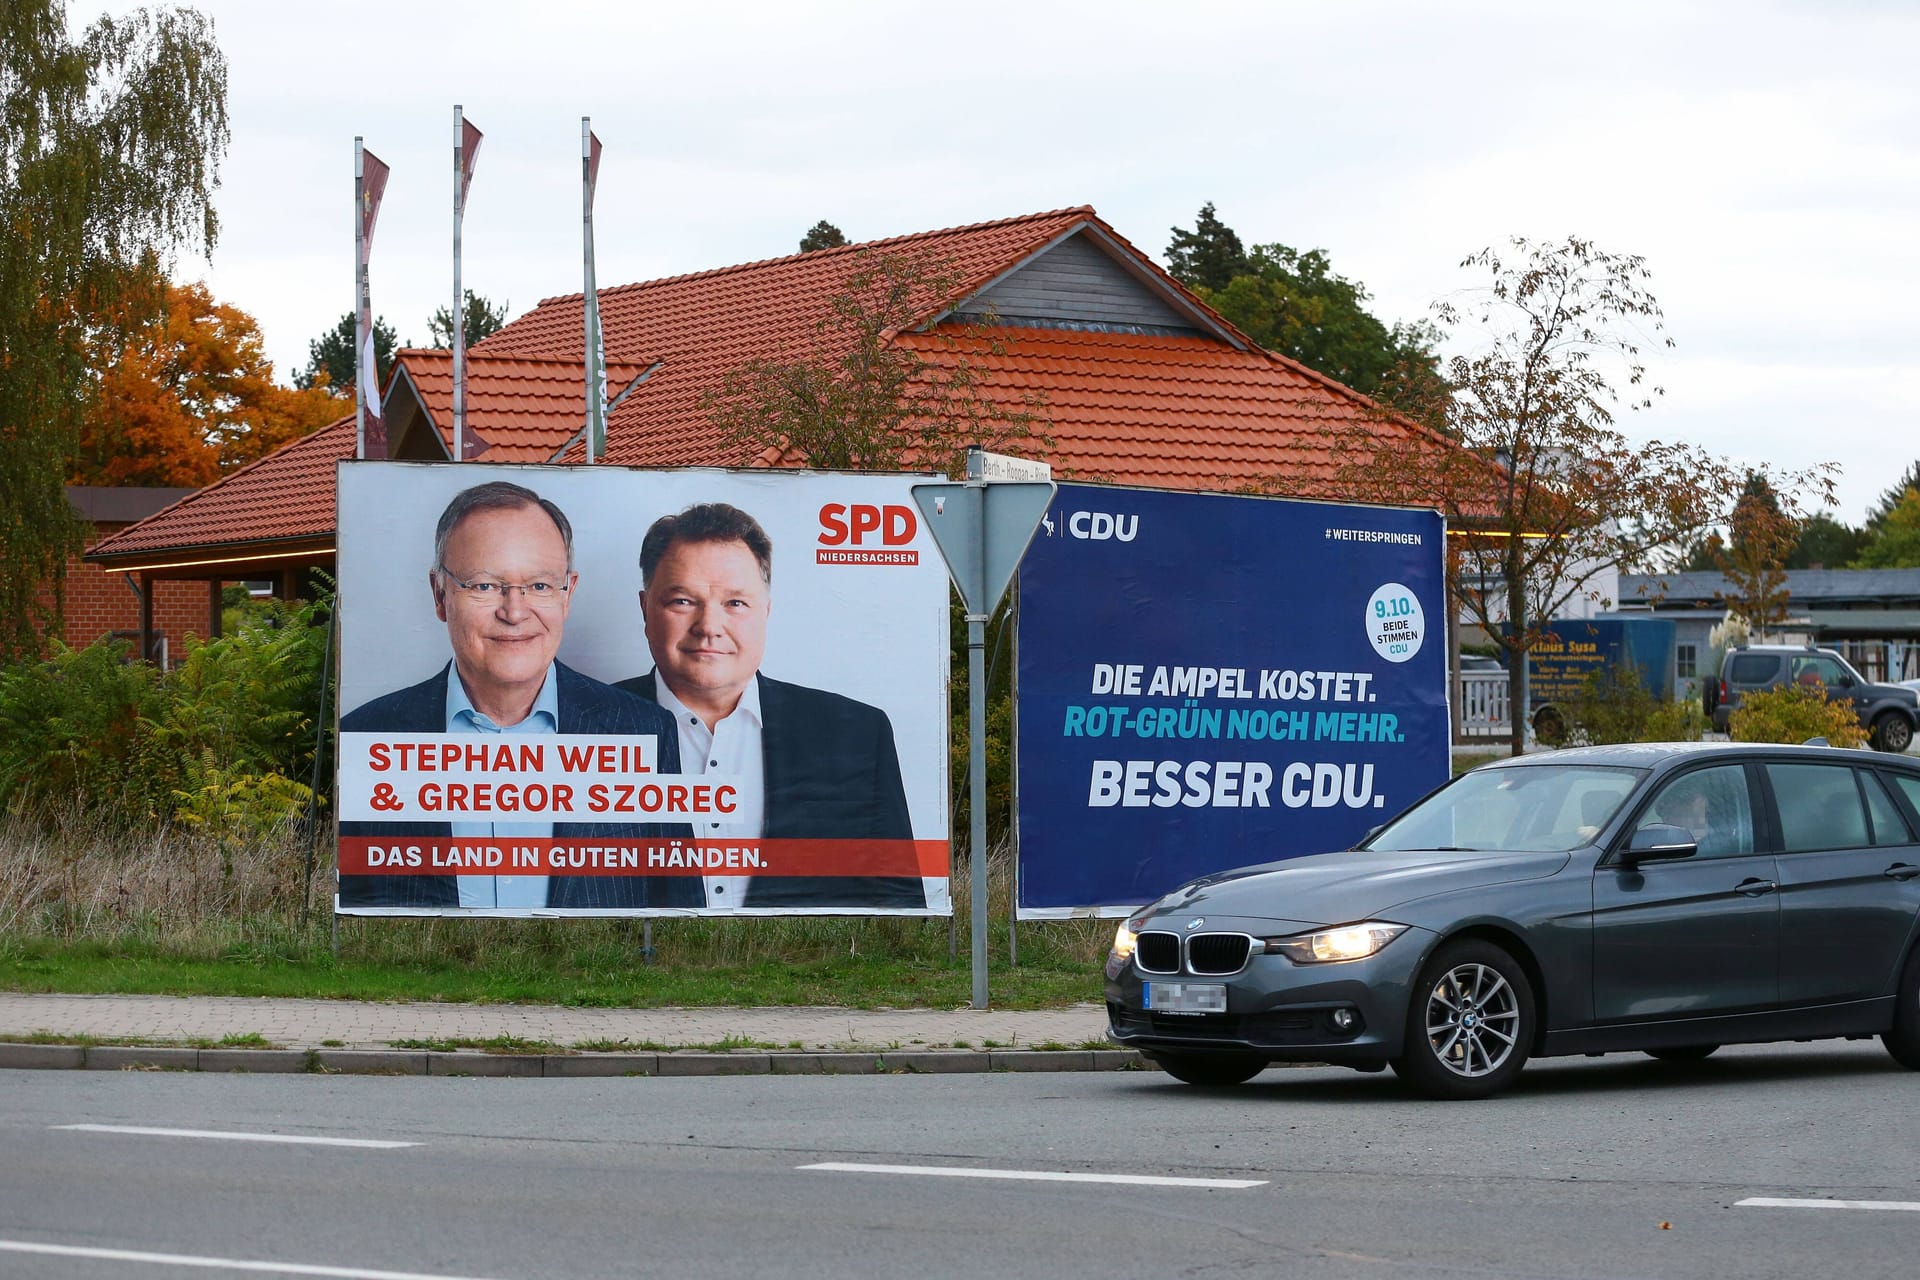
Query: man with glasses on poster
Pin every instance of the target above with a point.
(503, 582)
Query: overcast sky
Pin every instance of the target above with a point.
(1763, 157)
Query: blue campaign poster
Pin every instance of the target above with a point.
(1208, 681)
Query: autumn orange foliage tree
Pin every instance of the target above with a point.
(188, 396)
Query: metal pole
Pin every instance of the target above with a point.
(977, 786)
(319, 749)
(590, 301)
(359, 296)
(457, 339)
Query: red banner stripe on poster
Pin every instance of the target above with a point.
(651, 856)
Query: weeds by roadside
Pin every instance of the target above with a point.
(88, 907)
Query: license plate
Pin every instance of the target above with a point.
(1184, 997)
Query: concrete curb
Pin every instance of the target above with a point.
(474, 1062)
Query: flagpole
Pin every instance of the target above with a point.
(590, 309)
(459, 335)
(369, 185)
(360, 297)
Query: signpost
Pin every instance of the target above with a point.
(982, 528)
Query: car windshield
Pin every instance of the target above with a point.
(1543, 808)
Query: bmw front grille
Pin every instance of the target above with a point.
(1218, 954)
(1213, 955)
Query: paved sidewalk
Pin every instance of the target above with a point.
(186, 1032)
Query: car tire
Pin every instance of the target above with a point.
(1684, 1053)
(1549, 726)
(1903, 1039)
(1210, 1070)
(1892, 732)
(1470, 1023)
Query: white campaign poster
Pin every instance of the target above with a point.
(780, 742)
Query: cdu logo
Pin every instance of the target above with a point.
(1100, 526)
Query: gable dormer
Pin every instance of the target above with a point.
(1084, 282)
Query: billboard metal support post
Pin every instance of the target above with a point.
(977, 790)
(982, 527)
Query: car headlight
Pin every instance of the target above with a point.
(1343, 942)
(1127, 937)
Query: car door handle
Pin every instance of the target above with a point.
(1755, 888)
(1901, 871)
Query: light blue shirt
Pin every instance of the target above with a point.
(502, 891)
(733, 746)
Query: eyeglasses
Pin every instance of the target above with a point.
(540, 593)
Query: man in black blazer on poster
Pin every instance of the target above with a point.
(503, 580)
(826, 764)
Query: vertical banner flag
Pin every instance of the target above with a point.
(596, 347)
(369, 184)
(466, 146)
(1209, 681)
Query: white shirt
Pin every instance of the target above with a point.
(502, 891)
(732, 746)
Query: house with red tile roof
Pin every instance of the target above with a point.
(101, 604)
(1136, 381)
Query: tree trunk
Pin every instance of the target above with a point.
(1517, 647)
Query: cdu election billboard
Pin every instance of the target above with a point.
(601, 691)
(1209, 681)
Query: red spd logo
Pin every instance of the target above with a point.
(863, 533)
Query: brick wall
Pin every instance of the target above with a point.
(99, 602)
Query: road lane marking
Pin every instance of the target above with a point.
(377, 1144)
(218, 1264)
(1037, 1175)
(1770, 1202)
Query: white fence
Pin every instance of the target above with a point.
(1481, 708)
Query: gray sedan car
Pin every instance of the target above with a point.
(1666, 898)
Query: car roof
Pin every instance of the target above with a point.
(1653, 755)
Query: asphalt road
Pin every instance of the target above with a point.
(1590, 1168)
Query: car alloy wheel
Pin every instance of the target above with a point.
(1892, 732)
(1470, 1024)
(1903, 1038)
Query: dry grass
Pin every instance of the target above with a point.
(74, 877)
(76, 885)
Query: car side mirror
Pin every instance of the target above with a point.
(1659, 842)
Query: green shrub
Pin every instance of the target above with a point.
(1676, 722)
(224, 743)
(70, 730)
(1794, 713)
(1614, 706)
(234, 740)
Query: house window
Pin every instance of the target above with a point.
(1686, 661)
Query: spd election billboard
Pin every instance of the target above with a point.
(731, 701)
(1209, 681)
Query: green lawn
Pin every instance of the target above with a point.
(591, 972)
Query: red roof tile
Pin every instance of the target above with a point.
(525, 408)
(1170, 411)
(284, 497)
(701, 327)
(1206, 411)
